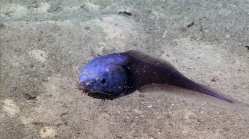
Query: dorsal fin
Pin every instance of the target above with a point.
(150, 59)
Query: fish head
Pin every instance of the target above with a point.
(104, 77)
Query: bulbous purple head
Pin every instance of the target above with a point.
(104, 77)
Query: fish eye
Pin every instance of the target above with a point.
(103, 80)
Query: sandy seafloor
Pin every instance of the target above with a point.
(44, 45)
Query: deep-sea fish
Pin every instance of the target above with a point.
(119, 74)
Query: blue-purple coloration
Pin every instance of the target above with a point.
(105, 77)
(119, 74)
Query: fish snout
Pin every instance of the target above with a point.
(84, 86)
(80, 85)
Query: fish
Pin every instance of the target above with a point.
(119, 74)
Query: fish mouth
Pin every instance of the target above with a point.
(100, 95)
(96, 93)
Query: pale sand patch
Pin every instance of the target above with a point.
(47, 132)
(38, 55)
(12, 10)
(10, 107)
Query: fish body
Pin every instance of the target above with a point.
(119, 74)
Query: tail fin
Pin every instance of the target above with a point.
(191, 85)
